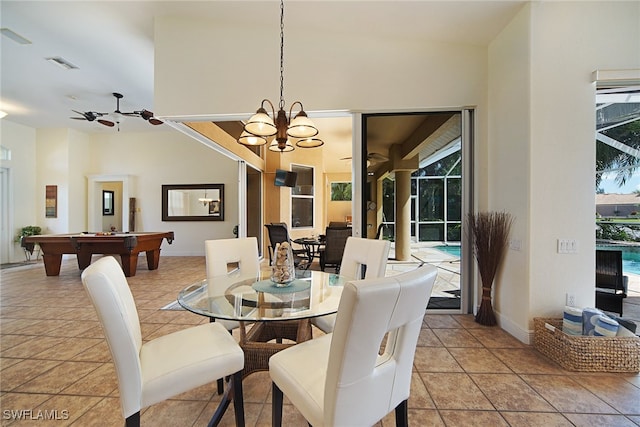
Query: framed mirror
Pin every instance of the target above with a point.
(193, 202)
(107, 202)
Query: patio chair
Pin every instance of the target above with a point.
(279, 233)
(153, 371)
(610, 282)
(342, 379)
(333, 251)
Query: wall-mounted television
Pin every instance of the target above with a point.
(285, 178)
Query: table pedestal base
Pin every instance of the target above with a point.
(258, 342)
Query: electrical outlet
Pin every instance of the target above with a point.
(571, 300)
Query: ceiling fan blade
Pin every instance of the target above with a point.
(155, 121)
(106, 123)
(377, 157)
(85, 116)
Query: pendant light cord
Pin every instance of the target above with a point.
(281, 54)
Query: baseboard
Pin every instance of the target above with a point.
(523, 335)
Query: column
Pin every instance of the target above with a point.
(403, 215)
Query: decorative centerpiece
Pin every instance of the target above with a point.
(283, 270)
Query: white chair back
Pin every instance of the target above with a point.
(222, 253)
(109, 292)
(364, 254)
(362, 386)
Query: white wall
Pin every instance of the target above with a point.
(52, 154)
(169, 157)
(509, 169)
(542, 146)
(21, 140)
(79, 155)
(202, 67)
(65, 158)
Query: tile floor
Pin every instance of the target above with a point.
(55, 364)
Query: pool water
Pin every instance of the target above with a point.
(455, 250)
(630, 257)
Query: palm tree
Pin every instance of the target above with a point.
(609, 158)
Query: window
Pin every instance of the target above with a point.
(436, 198)
(302, 196)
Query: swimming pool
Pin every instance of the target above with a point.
(451, 250)
(630, 257)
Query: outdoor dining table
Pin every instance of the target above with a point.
(271, 318)
(311, 245)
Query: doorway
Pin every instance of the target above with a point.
(95, 187)
(417, 170)
(253, 206)
(5, 233)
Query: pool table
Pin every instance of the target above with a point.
(84, 245)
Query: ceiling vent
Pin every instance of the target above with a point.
(61, 62)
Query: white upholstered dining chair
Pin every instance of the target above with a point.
(231, 256)
(351, 383)
(237, 256)
(164, 367)
(362, 259)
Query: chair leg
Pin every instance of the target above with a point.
(238, 399)
(402, 415)
(220, 380)
(276, 406)
(133, 420)
(234, 386)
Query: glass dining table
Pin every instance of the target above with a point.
(271, 318)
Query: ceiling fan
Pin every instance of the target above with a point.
(111, 119)
(372, 158)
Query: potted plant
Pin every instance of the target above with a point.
(29, 230)
(490, 233)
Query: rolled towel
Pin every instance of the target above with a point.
(572, 321)
(589, 319)
(606, 327)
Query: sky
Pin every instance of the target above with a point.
(609, 185)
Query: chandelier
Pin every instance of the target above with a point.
(299, 127)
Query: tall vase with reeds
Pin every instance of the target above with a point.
(490, 236)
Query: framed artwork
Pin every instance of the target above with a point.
(51, 201)
(340, 191)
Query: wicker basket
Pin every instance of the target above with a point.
(589, 354)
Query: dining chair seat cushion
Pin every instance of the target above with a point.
(183, 360)
(292, 374)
